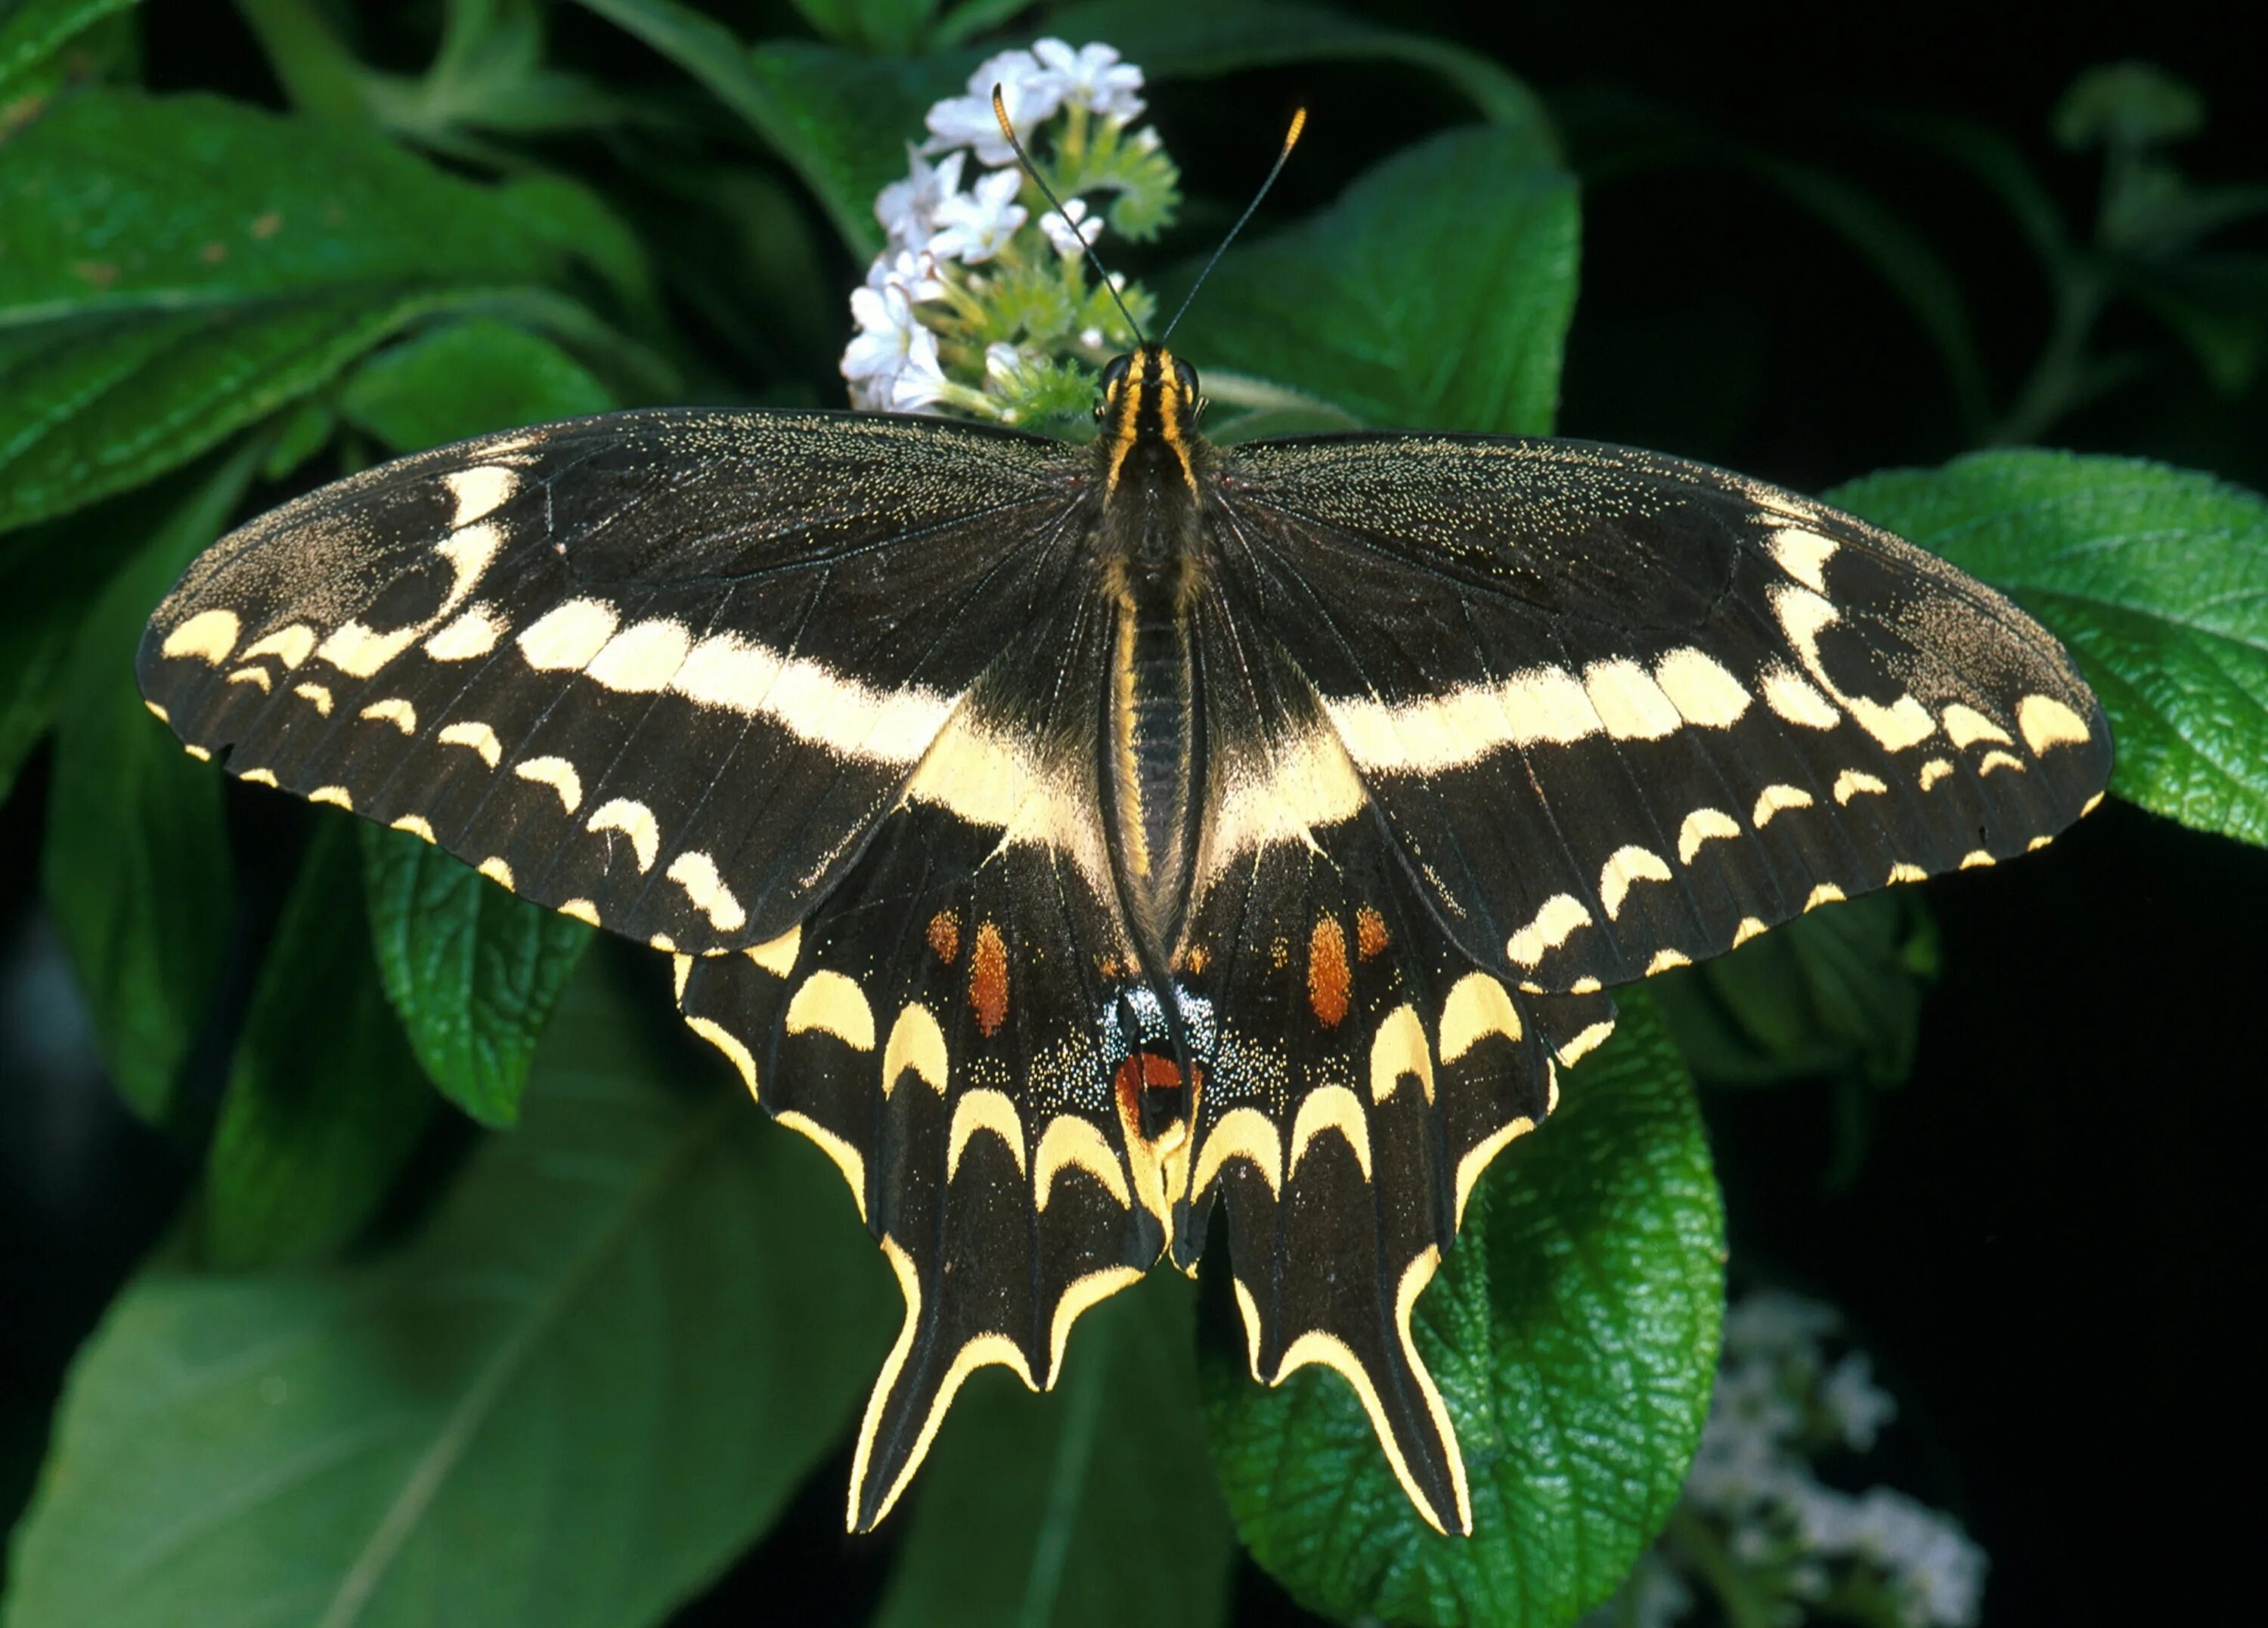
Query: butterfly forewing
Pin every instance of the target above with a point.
(663, 670)
(1622, 712)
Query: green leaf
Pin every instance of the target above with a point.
(2127, 105)
(1095, 1503)
(324, 1099)
(465, 379)
(1573, 1334)
(2157, 580)
(174, 268)
(473, 971)
(1202, 39)
(1435, 294)
(31, 34)
(624, 1337)
(840, 121)
(49, 576)
(1836, 990)
(870, 25)
(137, 866)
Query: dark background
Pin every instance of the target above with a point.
(2050, 1246)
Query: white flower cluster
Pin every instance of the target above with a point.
(1752, 1492)
(933, 224)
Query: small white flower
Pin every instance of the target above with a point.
(890, 340)
(975, 226)
(1091, 337)
(1770, 1323)
(1072, 230)
(908, 208)
(913, 273)
(921, 383)
(1091, 78)
(1858, 1406)
(1027, 92)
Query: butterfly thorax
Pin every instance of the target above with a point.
(1149, 540)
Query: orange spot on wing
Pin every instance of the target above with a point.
(1198, 959)
(1145, 1071)
(944, 936)
(1370, 935)
(988, 980)
(1330, 987)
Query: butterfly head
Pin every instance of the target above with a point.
(1150, 400)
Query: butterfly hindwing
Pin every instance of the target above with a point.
(1623, 712)
(663, 670)
(938, 1028)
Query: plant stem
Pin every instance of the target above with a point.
(1698, 1546)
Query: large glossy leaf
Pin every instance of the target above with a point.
(324, 1099)
(2157, 579)
(1435, 294)
(1573, 1334)
(1094, 1504)
(473, 971)
(607, 1359)
(177, 267)
(137, 866)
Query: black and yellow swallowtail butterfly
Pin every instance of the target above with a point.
(1071, 840)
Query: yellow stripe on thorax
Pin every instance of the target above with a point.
(1150, 386)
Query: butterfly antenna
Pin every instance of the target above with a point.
(1290, 140)
(1000, 112)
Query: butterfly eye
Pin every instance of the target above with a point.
(1185, 378)
(1115, 375)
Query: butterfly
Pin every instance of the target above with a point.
(1073, 842)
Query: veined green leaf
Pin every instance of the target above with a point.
(137, 866)
(1573, 1334)
(177, 267)
(2157, 580)
(1435, 294)
(473, 971)
(627, 1333)
(324, 1099)
(465, 379)
(1093, 1505)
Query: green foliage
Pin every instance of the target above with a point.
(465, 379)
(473, 971)
(593, 1375)
(2156, 579)
(33, 35)
(324, 1101)
(177, 268)
(1435, 295)
(1034, 1513)
(1573, 1334)
(136, 864)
